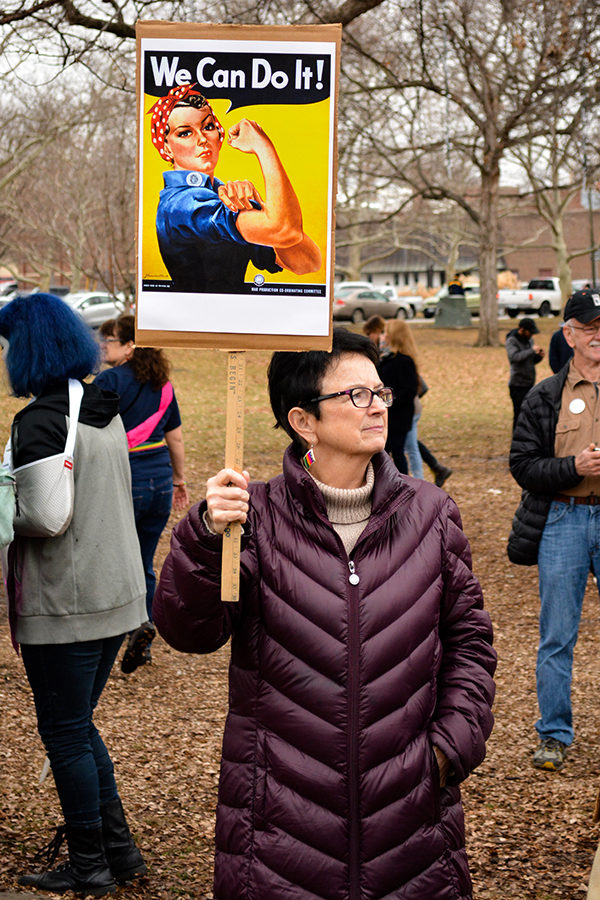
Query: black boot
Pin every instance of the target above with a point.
(124, 858)
(139, 639)
(441, 474)
(86, 871)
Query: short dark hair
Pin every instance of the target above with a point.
(147, 363)
(195, 100)
(295, 378)
(48, 343)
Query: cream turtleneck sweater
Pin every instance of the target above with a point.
(349, 509)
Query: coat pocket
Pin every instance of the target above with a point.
(436, 789)
(260, 780)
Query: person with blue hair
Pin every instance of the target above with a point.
(72, 598)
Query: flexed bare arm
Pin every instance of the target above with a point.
(278, 223)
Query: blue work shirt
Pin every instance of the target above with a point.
(198, 237)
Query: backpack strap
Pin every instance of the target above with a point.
(142, 432)
(75, 398)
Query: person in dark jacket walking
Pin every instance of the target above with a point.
(361, 658)
(523, 355)
(559, 352)
(398, 371)
(554, 457)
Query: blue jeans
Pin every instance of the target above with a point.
(67, 680)
(570, 545)
(411, 450)
(152, 500)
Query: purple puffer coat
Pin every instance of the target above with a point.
(339, 686)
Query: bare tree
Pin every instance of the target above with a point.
(468, 82)
(558, 166)
(73, 214)
(459, 83)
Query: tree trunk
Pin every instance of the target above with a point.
(563, 265)
(452, 258)
(354, 248)
(488, 267)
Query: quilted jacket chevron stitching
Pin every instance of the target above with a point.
(424, 666)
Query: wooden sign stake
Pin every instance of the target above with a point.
(234, 459)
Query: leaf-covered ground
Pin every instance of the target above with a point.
(530, 834)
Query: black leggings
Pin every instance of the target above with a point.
(395, 446)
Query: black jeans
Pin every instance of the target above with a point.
(517, 395)
(395, 446)
(67, 680)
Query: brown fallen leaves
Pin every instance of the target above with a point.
(529, 834)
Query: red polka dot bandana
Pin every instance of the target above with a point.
(163, 108)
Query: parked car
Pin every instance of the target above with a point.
(472, 297)
(353, 286)
(391, 292)
(95, 307)
(7, 288)
(416, 302)
(358, 305)
(542, 296)
(579, 284)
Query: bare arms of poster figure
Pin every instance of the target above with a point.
(278, 222)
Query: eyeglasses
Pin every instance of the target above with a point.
(588, 330)
(361, 397)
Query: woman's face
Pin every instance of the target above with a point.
(114, 353)
(193, 142)
(344, 430)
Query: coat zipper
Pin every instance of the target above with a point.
(353, 692)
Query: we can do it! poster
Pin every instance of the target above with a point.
(236, 185)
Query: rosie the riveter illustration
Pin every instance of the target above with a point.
(208, 231)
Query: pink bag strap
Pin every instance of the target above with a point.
(142, 432)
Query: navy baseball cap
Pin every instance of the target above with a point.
(583, 306)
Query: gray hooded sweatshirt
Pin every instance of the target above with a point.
(87, 583)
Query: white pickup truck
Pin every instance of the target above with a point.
(542, 295)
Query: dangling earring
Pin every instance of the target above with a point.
(308, 458)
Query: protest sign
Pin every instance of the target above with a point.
(236, 185)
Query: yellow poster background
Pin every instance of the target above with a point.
(300, 134)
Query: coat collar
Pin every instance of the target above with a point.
(389, 492)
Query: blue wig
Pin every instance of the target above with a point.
(48, 343)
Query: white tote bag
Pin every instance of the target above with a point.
(45, 488)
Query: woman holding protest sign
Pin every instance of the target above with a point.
(361, 660)
(208, 231)
(74, 595)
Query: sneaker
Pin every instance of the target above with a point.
(441, 475)
(139, 639)
(550, 755)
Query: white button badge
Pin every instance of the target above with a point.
(577, 406)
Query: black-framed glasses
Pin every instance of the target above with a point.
(361, 397)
